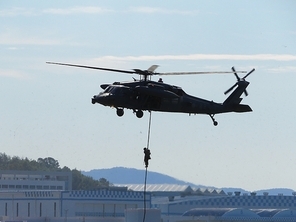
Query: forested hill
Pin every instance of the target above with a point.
(79, 181)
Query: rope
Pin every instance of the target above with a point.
(144, 216)
(148, 141)
(149, 130)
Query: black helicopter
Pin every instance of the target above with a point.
(145, 94)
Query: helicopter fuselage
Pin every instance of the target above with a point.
(157, 96)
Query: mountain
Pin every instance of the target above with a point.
(272, 191)
(122, 175)
(276, 191)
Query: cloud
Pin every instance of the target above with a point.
(17, 11)
(153, 10)
(281, 69)
(255, 57)
(77, 10)
(15, 39)
(21, 11)
(13, 74)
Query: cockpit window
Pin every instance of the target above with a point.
(108, 89)
(114, 89)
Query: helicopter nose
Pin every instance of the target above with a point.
(101, 98)
(96, 99)
(93, 100)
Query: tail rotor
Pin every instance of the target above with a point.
(238, 80)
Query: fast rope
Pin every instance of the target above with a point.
(146, 161)
(144, 215)
(148, 140)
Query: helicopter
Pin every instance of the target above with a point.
(147, 95)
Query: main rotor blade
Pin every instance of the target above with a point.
(196, 73)
(152, 68)
(92, 67)
(146, 72)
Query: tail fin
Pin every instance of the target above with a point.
(234, 99)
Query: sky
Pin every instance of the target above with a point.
(46, 110)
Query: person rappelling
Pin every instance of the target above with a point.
(147, 156)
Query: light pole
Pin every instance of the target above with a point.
(66, 214)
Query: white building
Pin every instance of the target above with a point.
(34, 180)
(29, 205)
(129, 202)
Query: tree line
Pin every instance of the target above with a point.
(79, 181)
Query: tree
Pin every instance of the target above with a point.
(104, 183)
(82, 182)
(49, 163)
(79, 181)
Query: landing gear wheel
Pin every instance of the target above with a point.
(119, 112)
(139, 113)
(213, 119)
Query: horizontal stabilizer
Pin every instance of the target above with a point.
(241, 108)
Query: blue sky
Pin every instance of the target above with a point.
(46, 110)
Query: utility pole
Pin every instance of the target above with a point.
(66, 214)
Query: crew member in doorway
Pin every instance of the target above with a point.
(147, 157)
